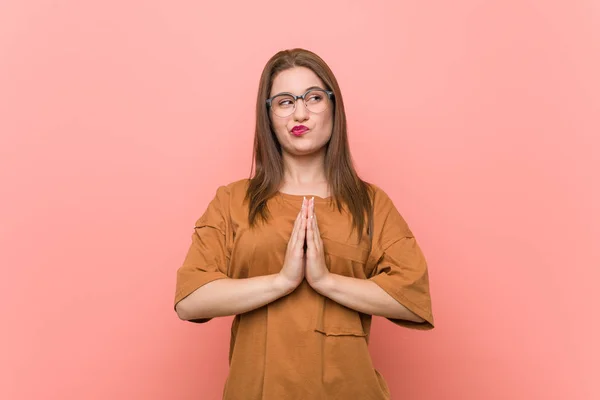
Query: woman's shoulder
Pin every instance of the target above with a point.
(233, 191)
(226, 198)
(379, 196)
(387, 215)
(240, 185)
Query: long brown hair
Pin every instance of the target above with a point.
(267, 173)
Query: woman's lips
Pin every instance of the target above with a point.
(299, 130)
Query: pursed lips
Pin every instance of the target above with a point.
(299, 130)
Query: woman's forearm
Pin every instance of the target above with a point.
(364, 296)
(228, 296)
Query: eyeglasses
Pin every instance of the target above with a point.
(315, 101)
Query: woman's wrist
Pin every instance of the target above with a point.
(283, 285)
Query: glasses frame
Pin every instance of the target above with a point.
(302, 96)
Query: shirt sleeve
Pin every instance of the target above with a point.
(207, 256)
(401, 269)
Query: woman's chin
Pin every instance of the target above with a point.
(302, 151)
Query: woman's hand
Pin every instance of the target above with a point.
(292, 273)
(316, 268)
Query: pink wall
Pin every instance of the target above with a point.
(481, 119)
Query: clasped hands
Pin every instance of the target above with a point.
(305, 257)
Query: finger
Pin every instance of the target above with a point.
(294, 234)
(310, 233)
(301, 233)
(307, 208)
(317, 234)
(314, 235)
(301, 238)
(297, 224)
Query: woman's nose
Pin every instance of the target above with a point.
(300, 113)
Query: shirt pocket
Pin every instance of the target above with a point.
(332, 318)
(346, 259)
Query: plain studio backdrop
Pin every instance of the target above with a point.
(119, 119)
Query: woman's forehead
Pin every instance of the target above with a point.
(295, 80)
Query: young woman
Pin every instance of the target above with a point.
(304, 252)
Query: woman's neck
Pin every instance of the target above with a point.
(304, 170)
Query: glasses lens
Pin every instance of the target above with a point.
(283, 105)
(316, 101)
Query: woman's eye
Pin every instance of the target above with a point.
(315, 98)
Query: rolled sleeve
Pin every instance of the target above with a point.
(400, 267)
(207, 257)
(402, 273)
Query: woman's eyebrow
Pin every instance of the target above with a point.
(306, 90)
(313, 87)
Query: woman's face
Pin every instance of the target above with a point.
(297, 80)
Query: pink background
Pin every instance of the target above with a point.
(120, 119)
